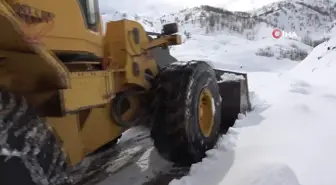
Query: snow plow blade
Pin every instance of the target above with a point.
(234, 91)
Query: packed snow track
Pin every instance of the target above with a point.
(133, 161)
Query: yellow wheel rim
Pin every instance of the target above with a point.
(206, 112)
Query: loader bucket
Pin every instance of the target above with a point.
(234, 92)
(31, 66)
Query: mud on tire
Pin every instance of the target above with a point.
(176, 133)
(29, 152)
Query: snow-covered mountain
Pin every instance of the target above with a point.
(223, 32)
(300, 16)
(305, 17)
(153, 8)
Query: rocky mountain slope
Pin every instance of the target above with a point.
(306, 18)
(225, 32)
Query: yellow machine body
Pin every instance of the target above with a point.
(73, 95)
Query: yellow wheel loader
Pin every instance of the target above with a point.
(68, 88)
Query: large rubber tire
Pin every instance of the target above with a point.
(30, 154)
(176, 132)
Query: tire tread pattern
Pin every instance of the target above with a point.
(169, 131)
(30, 143)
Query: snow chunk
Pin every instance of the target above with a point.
(226, 77)
(213, 106)
(32, 133)
(9, 153)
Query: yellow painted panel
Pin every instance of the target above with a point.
(88, 89)
(99, 129)
(67, 130)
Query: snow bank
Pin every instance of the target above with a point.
(320, 66)
(266, 174)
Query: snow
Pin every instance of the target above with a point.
(213, 106)
(9, 153)
(268, 173)
(289, 135)
(226, 52)
(231, 77)
(137, 161)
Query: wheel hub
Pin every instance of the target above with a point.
(206, 112)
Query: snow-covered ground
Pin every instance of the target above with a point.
(226, 52)
(288, 139)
